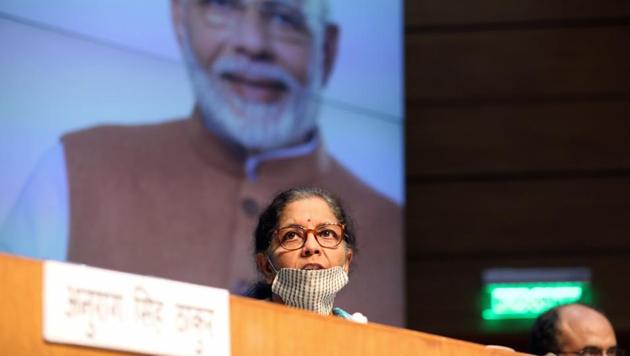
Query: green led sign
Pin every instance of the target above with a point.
(527, 300)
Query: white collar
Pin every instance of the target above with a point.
(253, 161)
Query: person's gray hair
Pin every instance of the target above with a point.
(315, 7)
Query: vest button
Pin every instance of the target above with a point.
(250, 207)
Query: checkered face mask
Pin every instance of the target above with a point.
(313, 290)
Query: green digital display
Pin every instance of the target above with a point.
(528, 300)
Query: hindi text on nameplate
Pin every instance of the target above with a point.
(100, 308)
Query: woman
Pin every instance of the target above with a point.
(304, 248)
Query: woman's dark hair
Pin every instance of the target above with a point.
(268, 223)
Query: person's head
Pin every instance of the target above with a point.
(303, 228)
(257, 66)
(573, 329)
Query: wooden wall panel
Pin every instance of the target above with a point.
(447, 291)
(541, 137)
(454, 68)
(457, 12)
(518, 152)
(576, 216)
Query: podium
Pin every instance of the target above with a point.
(256, 327)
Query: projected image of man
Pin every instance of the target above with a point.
(179, 199)
(258, 89)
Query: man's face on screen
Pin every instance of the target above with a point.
(257, 66)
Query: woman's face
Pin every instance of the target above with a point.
(308, 213)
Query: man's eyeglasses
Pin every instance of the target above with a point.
(596, 351)
(281, 20)
(294, 237)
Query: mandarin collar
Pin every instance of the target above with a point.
(278, 165)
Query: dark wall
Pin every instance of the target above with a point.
(518, 153)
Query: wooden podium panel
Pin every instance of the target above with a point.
(257, 327)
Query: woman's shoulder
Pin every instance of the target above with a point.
(356, 317)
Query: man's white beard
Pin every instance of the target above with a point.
(252, 124)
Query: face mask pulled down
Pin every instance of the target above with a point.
(313, 290)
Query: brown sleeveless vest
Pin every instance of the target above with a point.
(168, 200)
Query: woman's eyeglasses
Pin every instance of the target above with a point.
(294, 237)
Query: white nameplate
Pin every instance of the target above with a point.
(101, 308)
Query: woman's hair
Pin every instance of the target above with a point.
(268, 223)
